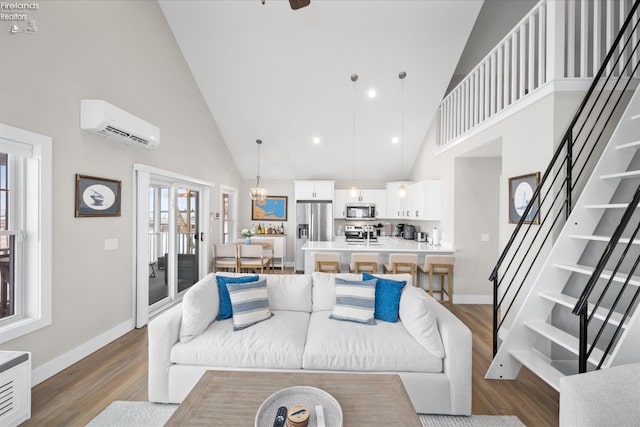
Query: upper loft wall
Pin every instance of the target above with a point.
(122, 52)
(495, 20)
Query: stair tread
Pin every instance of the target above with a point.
(539, 366)
(599, 238)
(632, 144)
(570, 302)
(606, 274)
(608, 206)
(626, 174)
(563, 339)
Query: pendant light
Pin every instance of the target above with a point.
(354, 190)
(259, 194)
(402, 191)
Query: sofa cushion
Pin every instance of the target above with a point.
(276, 344)
(250, 303)
(387, 297)
(420, 320)
(226, 310)
(349, 346)
(355, 301)
(199, 307)
(289, 291)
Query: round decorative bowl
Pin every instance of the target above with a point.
(300, 395)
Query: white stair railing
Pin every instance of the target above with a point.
(532, 54)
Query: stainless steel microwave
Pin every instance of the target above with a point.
(360, 211)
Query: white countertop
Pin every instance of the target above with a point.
(384, 244)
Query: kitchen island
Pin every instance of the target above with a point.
(384, 246)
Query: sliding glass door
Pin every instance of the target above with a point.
(171, 248)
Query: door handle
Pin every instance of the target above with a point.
(201, 236)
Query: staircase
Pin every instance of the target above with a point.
(566, 286)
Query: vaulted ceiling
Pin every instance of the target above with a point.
(268, 72)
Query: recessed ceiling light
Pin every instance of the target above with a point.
(395, 140)
(316, 140)
(371, 93)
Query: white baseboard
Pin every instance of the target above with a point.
(67, 359)
(472, 299)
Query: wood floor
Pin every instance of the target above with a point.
(119, 372)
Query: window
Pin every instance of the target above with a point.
(25, 232)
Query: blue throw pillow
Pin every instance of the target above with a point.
(226, 311)
(387, 297)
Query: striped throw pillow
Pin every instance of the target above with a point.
(355, 301)
(250, 303)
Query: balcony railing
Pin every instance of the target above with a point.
(556, 40)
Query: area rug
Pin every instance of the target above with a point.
(146, 414)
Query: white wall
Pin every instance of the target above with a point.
(524, 142)
(476, 199)
(122, 52)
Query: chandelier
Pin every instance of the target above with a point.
(258, 193)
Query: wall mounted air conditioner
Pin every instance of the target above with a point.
(107, 120)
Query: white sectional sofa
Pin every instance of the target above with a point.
(301, 336)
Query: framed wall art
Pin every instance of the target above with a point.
(97, 196)
(274, 208)
(521, 189)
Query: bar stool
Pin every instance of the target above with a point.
(442, 266)
(327, 262)
(402, 263)
(364, 262)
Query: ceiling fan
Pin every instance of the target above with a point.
(296, 4)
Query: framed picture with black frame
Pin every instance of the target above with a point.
(274, 208)
(97, 197)
(521, 189)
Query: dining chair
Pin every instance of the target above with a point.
(225, 257)
(252, 258)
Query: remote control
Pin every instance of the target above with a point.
(281, 417)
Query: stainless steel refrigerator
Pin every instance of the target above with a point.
(314, 222)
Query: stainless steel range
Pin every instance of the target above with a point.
(360, 233)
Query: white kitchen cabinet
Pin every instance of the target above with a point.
(380, 199)
(314, 190)
(397, 207)
(431, 201)
(339, 201)
(279, 247)
(424, 200)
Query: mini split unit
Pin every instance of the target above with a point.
(111, 122)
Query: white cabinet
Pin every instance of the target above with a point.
(421, 202)
(397, 207)
(430, 207)
(314, 190)
(380, 199)
(339, 201)
(279, 248)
